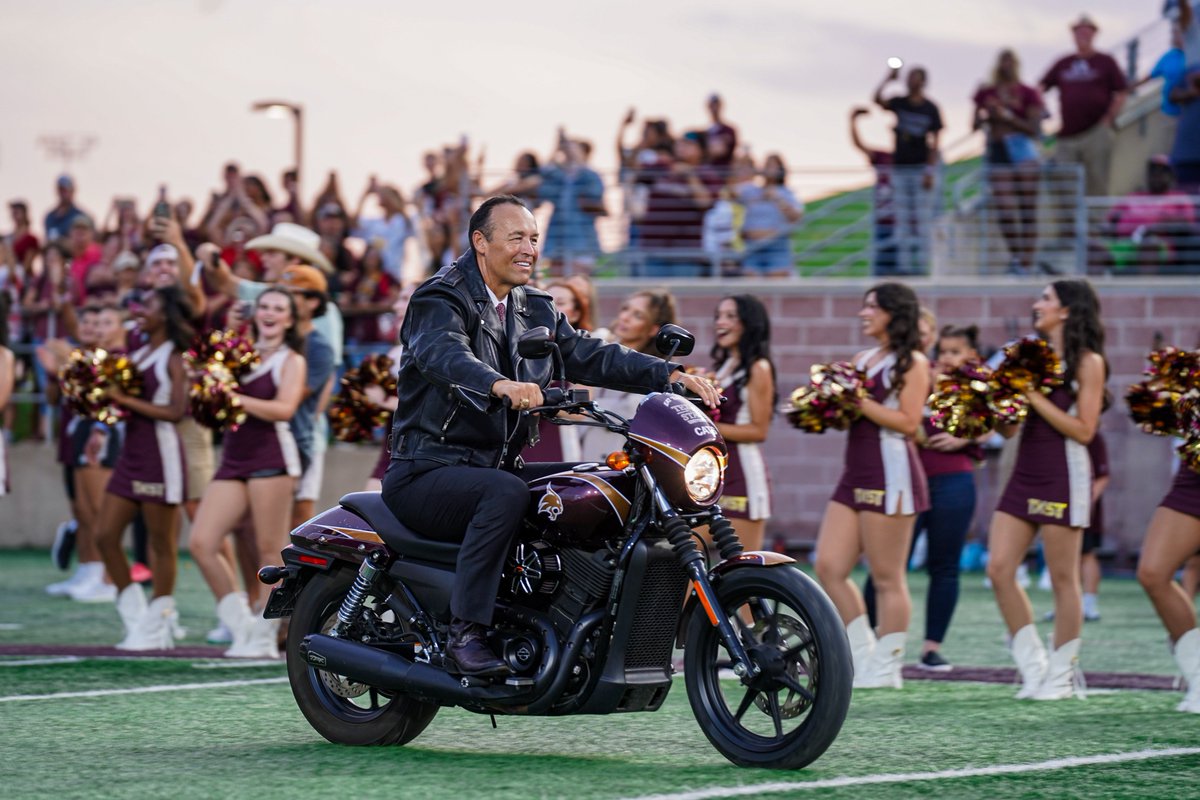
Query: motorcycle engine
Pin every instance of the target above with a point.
(532, 571)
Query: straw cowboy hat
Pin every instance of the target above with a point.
(295, 240)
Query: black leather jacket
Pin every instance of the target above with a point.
(454, 351)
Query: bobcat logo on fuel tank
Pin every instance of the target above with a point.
(551, 504)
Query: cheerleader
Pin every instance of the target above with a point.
(1172, 541)
(259, 466)
(1050, 490)
(742, 361)
(95, 448)
(149, 473)
(642, 315)
(882, 489)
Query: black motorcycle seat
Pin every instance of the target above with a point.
(402, 539)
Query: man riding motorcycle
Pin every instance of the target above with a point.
(455, 445)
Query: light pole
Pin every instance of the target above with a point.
(278, 109)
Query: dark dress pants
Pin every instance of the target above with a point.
(480, 507)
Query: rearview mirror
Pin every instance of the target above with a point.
(673, 340)
(535, 343)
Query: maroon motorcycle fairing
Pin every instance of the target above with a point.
(670, 429)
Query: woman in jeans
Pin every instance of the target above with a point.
(949, 464)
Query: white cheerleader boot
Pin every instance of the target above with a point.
(253, 636)
(883, 667)
(862, 644)
(1030, 655)
(155, 629)
(1063, 677)
(1187, 656)
(234, 613)
(260, 640)
(131, 606)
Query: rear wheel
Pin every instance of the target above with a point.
(341, 710)
(786, 716)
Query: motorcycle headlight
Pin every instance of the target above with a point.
(702, 475)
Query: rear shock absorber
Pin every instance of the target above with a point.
(352, 605)
(724, 537)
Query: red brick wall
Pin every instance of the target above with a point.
(814, 321)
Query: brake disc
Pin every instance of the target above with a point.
(791, 629)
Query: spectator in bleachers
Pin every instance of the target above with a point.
(1012, 113)
(653, 147)
(292, 207)
(58, 219)
(883, 200)
(771, 211)
(22, 242)
(1152, 231)
(682, 190)
(371, 295)
(577, 192)
(526, 178)
(918, 129)
(1185, 154)
(1091, 91)
(393, 229)
(1171, 67)
(334, 228)
(85, 254)
(722, 137)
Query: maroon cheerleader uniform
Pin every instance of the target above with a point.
(747, 493)
(1184, 495)
(150, 468)
(883, 472)
(1051, 482)
(258, 448)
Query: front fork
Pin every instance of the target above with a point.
(680, 536)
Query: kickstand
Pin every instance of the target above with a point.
(493, 716)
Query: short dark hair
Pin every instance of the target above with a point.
(481, 220)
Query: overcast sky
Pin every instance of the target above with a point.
(166, 85)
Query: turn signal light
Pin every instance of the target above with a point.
(618, 460)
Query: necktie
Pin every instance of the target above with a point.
(500, 313)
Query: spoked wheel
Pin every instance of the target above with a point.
(788, 714)
(341, 710)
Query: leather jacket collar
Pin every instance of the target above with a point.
(517, 306)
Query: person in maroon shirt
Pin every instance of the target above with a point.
(1091, 90)
(1012, 113)
(883, 199)
(680, 193)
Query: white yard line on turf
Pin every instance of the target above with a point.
(38, 662)
(912, 777)
(174, 687)
(11, 626)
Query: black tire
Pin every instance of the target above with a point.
(789, 715)
(340, 710)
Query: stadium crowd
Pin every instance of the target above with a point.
(307, 283)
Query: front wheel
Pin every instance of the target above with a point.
(341, 710)
(787, 715)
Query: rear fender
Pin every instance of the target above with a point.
(339, 533)
(752, 559)
(300, 564)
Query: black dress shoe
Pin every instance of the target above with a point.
(470, 652)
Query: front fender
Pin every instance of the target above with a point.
(747, 559)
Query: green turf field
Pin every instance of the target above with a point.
(222, 729)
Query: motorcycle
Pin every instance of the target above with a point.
(604, 580)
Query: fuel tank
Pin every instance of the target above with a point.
(582, 507)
